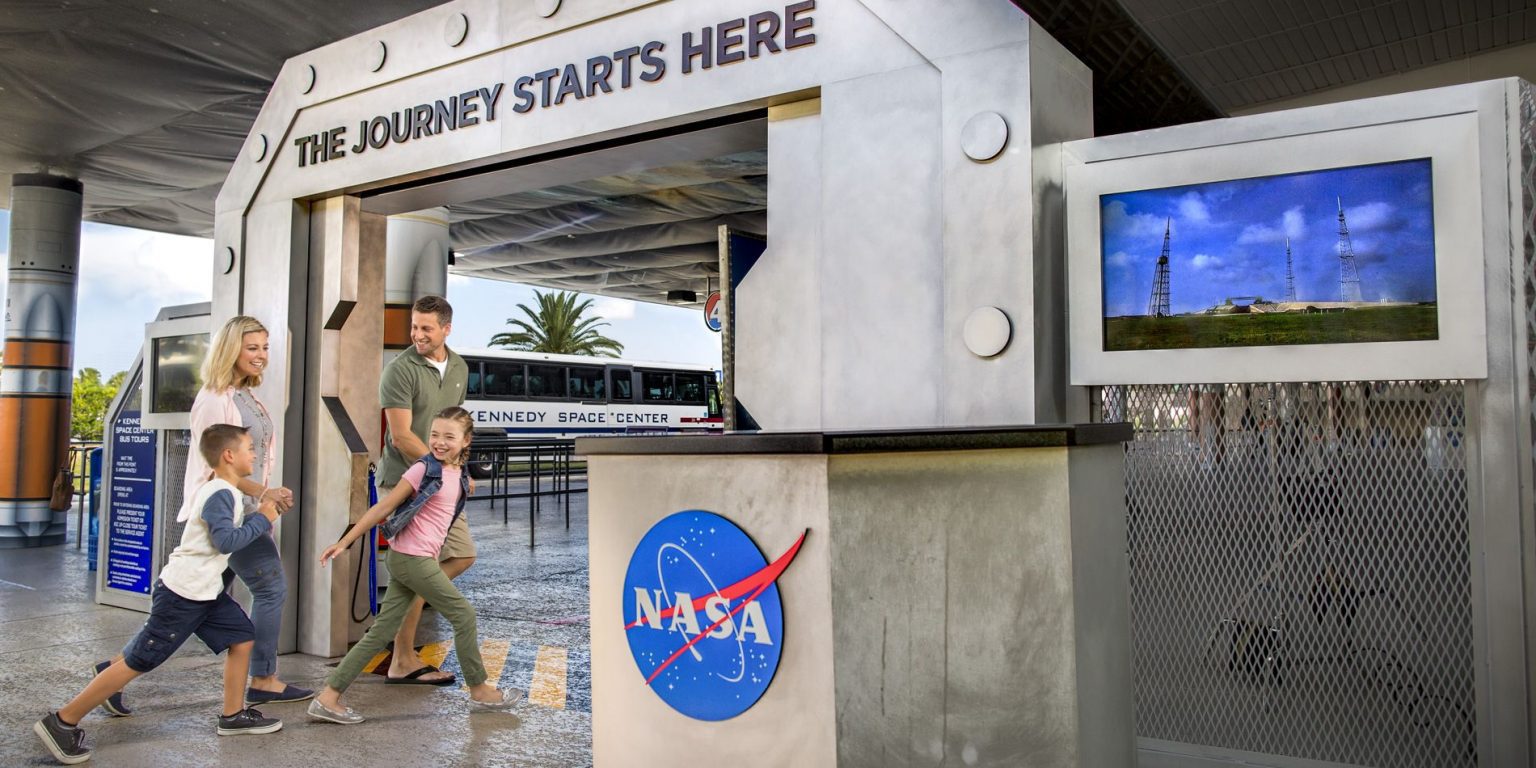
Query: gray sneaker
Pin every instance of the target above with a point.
(248, 720)
(67, 743)
(345, 716)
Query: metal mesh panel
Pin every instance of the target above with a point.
(1299, 564)
(172, 476)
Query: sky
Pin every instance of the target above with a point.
(127, 275)
(1228, 238)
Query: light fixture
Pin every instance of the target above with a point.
(682, 297)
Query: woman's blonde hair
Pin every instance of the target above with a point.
(219, 366)
(466, 422)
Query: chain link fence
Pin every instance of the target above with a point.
(1300, 575)
(173, 477)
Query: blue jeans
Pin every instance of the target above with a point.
(259, 566)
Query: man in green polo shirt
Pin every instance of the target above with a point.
(422, 380)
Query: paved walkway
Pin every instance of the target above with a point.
(532, 608)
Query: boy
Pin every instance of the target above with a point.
(188, 599)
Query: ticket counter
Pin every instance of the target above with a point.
(861, 598)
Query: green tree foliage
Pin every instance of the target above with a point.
(558, 327)
(89, 402)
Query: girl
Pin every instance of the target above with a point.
(420, 510)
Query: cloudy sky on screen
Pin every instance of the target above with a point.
(1228, 238)
(127, 275)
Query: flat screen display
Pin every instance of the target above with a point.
(176, 376)
(1335, 256)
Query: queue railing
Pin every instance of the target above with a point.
(548, 466)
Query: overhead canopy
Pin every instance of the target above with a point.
(634, 235)
(148, 101)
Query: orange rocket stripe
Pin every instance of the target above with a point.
(397, 326)
(28, 353)
(34, 426)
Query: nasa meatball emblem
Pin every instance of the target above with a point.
(702, 614)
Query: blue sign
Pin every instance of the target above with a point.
(702, 614)
(131, 537)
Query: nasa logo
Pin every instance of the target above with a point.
(702, 614)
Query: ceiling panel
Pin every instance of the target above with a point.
(1239, 53)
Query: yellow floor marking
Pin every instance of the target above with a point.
(494, 654)
(373, 664)
(434, 653)
(548, 688)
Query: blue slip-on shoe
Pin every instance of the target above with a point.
(248, 721)
(287, 694)
(114, 705)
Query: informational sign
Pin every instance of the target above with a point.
(702, 614)
(130, 539)
(602, 75)
(712, 311)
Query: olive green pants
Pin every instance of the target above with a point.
(410, 576)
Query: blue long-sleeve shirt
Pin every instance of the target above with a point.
(219, 514)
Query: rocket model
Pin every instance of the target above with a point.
(415, 265)
(39, 333)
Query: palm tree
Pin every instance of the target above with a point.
(558, 327)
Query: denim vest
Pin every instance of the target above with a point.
(431, 483)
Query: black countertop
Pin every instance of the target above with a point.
(877, 441)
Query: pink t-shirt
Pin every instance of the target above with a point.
(424, 535)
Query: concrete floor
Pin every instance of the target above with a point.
(532, 607)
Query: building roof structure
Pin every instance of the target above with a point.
(148, 102)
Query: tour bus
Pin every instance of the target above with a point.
(547, 396)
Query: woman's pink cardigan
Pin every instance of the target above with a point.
(208, 409)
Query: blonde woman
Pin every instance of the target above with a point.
(236, 360)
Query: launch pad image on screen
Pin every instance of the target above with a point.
(1335, 256)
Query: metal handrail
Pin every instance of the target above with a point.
(549, 460)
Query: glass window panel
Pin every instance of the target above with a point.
(623, 392)
(656, 387)
(690, 388)
(504, 380)
(546, 381)
(586, 384)
(474, 380)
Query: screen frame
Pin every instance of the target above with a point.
(165, 329)
(1450, 141)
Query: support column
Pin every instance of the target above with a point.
(340, 413)
(415, 265)
(39, 333)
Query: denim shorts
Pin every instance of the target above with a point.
(219, 623)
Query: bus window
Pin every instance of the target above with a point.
(656, 386)
(503, 380)
(622, 391)
(714, 402)
(546, 381)
(474, 379)
(586, 384)
(690, 388)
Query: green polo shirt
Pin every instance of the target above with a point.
(410, 381)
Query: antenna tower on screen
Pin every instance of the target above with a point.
(1158, 306)
(1290, 275)
(1349, 278)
